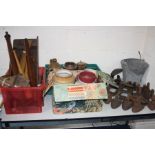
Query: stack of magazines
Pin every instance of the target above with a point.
(81, 106)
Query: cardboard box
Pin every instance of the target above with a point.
(70, 92)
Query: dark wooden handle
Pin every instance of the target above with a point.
(13, 64)
(30, 64)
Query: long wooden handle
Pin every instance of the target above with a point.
(30, 65)
(1, 104)
(23, 60)
(48, 88)
(24, 65)
(13, 64)
(18, 63)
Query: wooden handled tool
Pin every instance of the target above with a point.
(18, 63)
(33, 77)
(1, 104)
(48, 88)
(13, 65)
(24, 65)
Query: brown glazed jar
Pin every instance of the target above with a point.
(70, 66)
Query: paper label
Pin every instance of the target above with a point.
(70, 92)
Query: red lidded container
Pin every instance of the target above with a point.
(87, 77)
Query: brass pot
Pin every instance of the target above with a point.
(70, 66)
(81, 65)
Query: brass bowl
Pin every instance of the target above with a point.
(81, 65)
(70, 66)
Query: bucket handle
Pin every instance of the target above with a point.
(140, 55)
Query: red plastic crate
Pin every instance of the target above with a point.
(24, 99)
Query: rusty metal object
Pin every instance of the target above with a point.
(116, 72)
(131, 95)
(137, 99)
(111, 93)
(118, 80)
(151, 104)
(127, 103)
(146, 91)
(117, 100)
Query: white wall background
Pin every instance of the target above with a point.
(149, 54)
(106, 46)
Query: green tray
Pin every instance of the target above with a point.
(89, 66)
